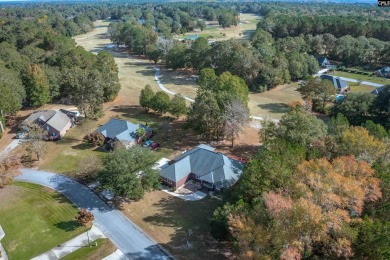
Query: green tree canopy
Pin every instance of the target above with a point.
(129, 172)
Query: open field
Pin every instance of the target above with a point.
(361, 77)
(170, 220)
(35, 219)
(243, 30)
(104, 248)
(274, 103)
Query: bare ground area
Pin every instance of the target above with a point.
(180, 226)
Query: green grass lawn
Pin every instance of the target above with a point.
(361, 77)
(104, 248)
(35, 219)
(360, 88)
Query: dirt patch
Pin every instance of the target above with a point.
(8, 194)
(182, 227)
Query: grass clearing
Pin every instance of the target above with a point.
(104, 248)
(169, 220)
(361, 77)
(243, 30)
(35, 219)
(274, 103)
(354, 87)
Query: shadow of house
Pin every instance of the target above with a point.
(213, 170)
(125, 132)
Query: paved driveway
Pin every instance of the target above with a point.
(129, 238)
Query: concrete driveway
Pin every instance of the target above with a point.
(127, 236)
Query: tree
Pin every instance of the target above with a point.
(146, 97)
(317, 90)
(96, 139)
(11, 89)
(129, 172)
(160, 102)
(205, 116)
(235, 117)
(154, 54)
(300, 127)
(338, 124)
(85, 90)
(37, 86)
(9, 168)
(375, 130)
(314, 214)
(34, 142)
(356, 107)
(108, 69)
(84, 217)
(358, 142)
(177, 106)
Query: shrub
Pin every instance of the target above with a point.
(84, 217)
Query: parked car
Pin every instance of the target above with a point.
(21, 135)
(154, 145)
(148, 143)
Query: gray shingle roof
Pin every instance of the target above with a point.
(121, 129)
(56, 119)
(378, 90)
(337, 82)
(210, 166)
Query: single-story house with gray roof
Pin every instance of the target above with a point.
(124, 132)
(337, 82)
(212, 169)
(55, 123)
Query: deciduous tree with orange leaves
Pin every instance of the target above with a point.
(314, 214)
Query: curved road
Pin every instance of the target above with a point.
(129, 238)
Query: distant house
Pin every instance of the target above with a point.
(383, 72)
(123, 131)
(378, 90)
(323, 61)
(337, 82)
(202, 164)
(55, 123)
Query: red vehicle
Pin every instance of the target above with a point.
(154, 146)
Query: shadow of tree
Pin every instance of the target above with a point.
(275, 107)
(68, 226)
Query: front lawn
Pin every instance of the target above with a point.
(104, 248)
(35, 219)
(182, 227)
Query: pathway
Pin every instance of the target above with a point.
(163, 88)
(126, 235)
(10, 147)
(72, 245)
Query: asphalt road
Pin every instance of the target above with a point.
(129, 238)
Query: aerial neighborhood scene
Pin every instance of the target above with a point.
(194, 129)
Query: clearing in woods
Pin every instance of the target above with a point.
(213, 30)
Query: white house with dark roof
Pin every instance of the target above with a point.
(212, 169)
(55, 123)
(123, 131)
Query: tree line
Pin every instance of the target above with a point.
(38, 66)
(313, 190)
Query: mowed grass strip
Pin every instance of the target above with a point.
(378, 80)
(35, 219)
(104, 248)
